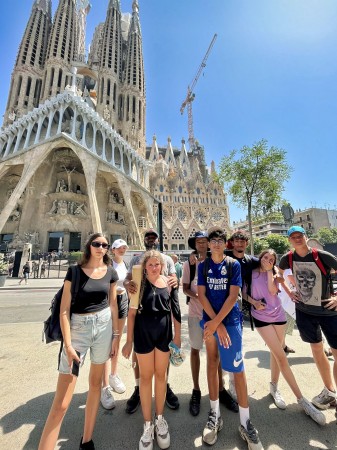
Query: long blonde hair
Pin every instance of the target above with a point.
(148, 255)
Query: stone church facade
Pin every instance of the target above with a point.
(73, 155)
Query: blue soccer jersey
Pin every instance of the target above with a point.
(217, 287)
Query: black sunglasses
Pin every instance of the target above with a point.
(97, 244)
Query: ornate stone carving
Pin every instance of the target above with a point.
(114, 216)
(63, 207)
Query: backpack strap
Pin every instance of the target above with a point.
(318, 261)
(206, 267)
(192, 275)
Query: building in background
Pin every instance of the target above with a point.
(311, 219)
(73, 155)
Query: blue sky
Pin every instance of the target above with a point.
(272, 74)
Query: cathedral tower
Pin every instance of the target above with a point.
(26, 83)
(62, 49)
(134, 124)
(109, 77)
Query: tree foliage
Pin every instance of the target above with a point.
(254, 178)
(277, 242)
(327, 235)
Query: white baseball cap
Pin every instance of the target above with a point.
(119, 243)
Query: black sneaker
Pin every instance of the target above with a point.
(195, 402)
(87, 445)
(133, 402)
(171, 399)
(228, 401)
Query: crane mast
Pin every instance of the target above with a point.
(190, 95)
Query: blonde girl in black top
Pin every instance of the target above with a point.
(89, 328)
(150, 330)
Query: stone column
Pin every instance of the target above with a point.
(90, 168)
(126, 189)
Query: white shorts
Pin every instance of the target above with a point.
(195, 333)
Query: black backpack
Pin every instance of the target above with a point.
(51, 327)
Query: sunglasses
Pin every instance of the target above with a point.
(97, 244)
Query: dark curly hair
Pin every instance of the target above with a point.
(87, 252)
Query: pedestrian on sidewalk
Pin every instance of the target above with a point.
(25, 273)
(94, 310)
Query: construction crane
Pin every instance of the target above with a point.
(191, 95)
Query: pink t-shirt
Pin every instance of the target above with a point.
(273, 311)
(194, 306)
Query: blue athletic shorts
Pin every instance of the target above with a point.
(231, 358)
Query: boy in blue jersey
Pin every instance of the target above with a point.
(219, 282)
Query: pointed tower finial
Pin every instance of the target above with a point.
(135, 6)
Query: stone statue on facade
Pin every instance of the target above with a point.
(15, 216)
(106, 113)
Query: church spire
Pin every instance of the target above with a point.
(62, 48)
(26, 83)
(135, 84)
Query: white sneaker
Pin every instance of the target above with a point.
(325, 399)
(251, 436)
(232, 390)
(311, 411)
(146, 441)
(213, 426)
(117, 384)
(107, 399)
(278, 399)
(162, 432)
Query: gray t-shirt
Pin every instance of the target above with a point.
(312, 285)
(169, 268)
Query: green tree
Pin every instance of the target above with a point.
(254, 178)
(278, 243)
(260, 244)
(327, 235)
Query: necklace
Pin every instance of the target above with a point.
(154, 290)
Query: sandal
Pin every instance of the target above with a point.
(288, 349)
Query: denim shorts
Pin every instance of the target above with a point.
(89, 332)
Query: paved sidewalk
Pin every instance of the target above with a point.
(28, 379)
(33, 283)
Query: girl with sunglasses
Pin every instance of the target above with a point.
(270, 322)
(93, 325)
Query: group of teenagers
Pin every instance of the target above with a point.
(216, 281)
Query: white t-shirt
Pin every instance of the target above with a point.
(121, 270)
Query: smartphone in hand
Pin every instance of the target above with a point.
(76, 366)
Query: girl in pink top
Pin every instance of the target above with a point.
(270, 322)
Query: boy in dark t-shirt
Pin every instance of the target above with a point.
(316, 307)
(219, 283)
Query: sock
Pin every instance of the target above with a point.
(137, 382)
(244, 416)
(159, 416)
(147, 424)
(216, 406)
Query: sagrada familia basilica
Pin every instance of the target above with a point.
(73, 154)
